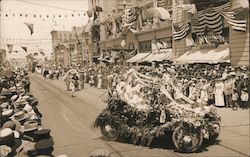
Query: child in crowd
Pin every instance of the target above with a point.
(235, 97)
(244, 98)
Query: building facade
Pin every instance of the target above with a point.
(150, 29)
(67, 46)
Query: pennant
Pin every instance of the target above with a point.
(24, 48)
(10, 47)
(30, 26)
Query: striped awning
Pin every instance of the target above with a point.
(217, 55)
(138, 57)
(163, 55)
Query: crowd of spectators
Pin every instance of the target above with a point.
(219, 85)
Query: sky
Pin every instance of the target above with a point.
(12, 27)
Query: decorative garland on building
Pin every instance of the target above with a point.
(237, 19)
(180, 30)
(210, 20)
(143, 126)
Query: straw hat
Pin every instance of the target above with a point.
(4, 105)
(8, 113)
(13, 125)
(14, 97)
(5, 150)
(20, 116)
(30, 125)
(27, 108)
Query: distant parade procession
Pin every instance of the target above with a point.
(124, 78)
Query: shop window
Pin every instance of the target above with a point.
(145, 46)
(211, 39)
(166, 42)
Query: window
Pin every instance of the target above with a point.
(70, 37)
(211, 39)
(167, 41)
(145, 46)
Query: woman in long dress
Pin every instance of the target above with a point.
(99, 80)
(219, 96)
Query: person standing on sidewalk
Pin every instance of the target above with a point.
(99, 80)
(72, 86)
(228, 91)
(235, 97)
(244, 98)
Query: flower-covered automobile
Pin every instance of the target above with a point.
(141, 122)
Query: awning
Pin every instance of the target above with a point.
(217, 55)
(138, 57)
(163, 55)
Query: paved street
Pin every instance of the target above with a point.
(71, 121)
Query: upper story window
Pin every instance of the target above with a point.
(145, 46)
(166, 42)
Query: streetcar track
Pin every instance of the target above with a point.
(109, 145)
(222, 145)
(105, 142)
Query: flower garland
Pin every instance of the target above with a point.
(143, 126)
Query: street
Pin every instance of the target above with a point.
(71, 121)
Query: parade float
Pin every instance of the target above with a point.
(141, 109)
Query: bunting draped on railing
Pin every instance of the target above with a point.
(237, 19)
(180, 30)
(129, 17)
(222, 7)
(210, 20)
(161, 3)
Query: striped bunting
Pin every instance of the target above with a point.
(236, 19)
(222, 7)
(129, 17)
(180, 30)
(211, 20)
(161, 3)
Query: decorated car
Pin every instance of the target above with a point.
(145, 115)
